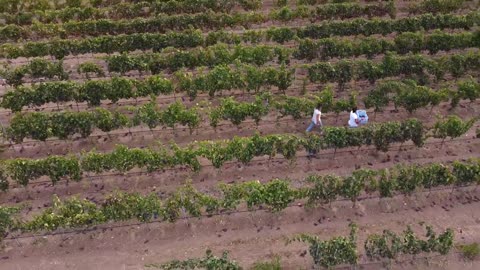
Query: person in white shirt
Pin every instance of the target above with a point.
(316, 118)
(316, 122)
(353, 122)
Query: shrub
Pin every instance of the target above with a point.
(470, 251)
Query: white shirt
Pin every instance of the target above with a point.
(353, 117)
(316, 113)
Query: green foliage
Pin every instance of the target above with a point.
(90, 67)
(207, 19)
(70, 213)
(7, 220)
(177, 113)
(123, 63)
(237, 112)
(386, 133)
(209, 262)
(435, 6)
(413, 97)
(408, 179)
(107, 121)
(333, 252)
(407, 42)
(36, 68)
(405, 94)
(325, 189)
(438, 175)
(250, 4)
(353, 185)
(386, 184)
(178, 59)
(452, 126)
(40, 126)
(55, 167)
(409, 95)
(470, 251)
(278, 195)
(4, 184)
(389, 245)
(274, 195)
(466, 173)
(123, 159)
(156, 42)
(153, 24)
(412, 129)
(393, 65)
(124, 206)
(469, 89)
(274, 264)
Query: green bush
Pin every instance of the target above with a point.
(274, 264)
(470, 251)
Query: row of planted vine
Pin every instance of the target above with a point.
(206, 20)
(59, 48)
(408, 95)
(219, 54)
(95, 91)
(241, 76)
(125, 11)
(189, 6)
(323, 49)
(147, 9)
(411, 96)
(386, 246)
(25, 6)
(341, 250)
(275, 195)
(239, 149)
(416, 66)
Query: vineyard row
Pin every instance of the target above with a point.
(240, 149)
(386, 246)
(221, 54)
(59, 48)
(21, 6)
(323, 49)
(338, 251)
(206, 20)
(148, 9)
(63, 125)
(242, 76)
(274, 195)
(126, 11)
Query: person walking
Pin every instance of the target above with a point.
(316, 122)
(316, 118)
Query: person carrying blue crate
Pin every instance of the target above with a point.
(357, 117)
